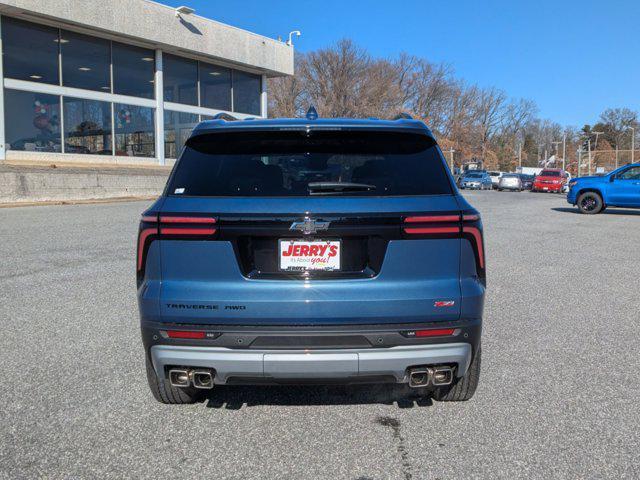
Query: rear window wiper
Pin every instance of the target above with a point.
(320, 188)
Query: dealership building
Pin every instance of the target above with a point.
(123, 81)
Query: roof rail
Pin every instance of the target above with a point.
(403, 116)
(224, 116)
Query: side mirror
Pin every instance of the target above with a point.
(612, 178)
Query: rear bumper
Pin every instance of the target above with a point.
(293, 366)
(547, 187)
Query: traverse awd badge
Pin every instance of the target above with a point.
(309, 226)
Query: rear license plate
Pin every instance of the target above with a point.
(304, 255)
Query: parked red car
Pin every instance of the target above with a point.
(550, 180)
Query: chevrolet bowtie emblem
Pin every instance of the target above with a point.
(309, 226)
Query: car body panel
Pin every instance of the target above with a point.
(615, 192)
(552, 182)
(423, 280)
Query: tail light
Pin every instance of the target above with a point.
(466, 226)
(188, 226)
(182, 227)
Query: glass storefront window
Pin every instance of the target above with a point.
(246, 92)
(215, 87)
(177, 128)
(87, 126)
(32, 121)
(85, 61)
(180, 80)
(135, 134)
(30, 51)
(133, 70)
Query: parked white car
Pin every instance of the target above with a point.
(495, 178)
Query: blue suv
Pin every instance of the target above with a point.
(292, 251)
(620, 188)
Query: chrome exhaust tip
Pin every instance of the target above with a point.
(179, 377)
(419, 377)
(442, 376)
(202, 379)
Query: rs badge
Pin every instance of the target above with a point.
(444, 303)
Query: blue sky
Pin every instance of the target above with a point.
(574, 58)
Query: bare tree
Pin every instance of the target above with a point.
(287, 94)
(490, 114)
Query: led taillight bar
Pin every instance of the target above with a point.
(432, 219)
(427, 230)
(188, 225)
(144, 234)
(447, 224)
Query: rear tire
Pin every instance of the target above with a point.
(163, 391)
(463, 388)
(590, 203)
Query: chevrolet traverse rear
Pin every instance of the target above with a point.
(311, 251)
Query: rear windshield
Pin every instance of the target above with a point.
(473, 175)
(511, 176)
(300, 163)
(549, 173)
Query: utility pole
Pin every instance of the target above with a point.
(564, 150)
(589, 147)
(616, 156)
(451, 152)
(595, 147)
(520, 156)
(633, 143)
(556, 144)
(579, 159)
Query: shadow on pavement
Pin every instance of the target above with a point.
(232, 397)
(608, 211)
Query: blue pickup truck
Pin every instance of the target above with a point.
(620, 188)
(311, 251)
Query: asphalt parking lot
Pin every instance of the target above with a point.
(558, 395)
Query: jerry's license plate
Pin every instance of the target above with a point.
(301, 255)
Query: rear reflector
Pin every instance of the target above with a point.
(436, 332)
(190, 334)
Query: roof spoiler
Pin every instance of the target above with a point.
(224, 116)
(403, 116)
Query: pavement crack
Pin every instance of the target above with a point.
(394, 424)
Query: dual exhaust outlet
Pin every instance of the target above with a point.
(424, 376)
(199, 378)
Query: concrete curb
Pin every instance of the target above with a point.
(36, 185)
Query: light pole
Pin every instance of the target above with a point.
(451, 152)
(564, 150)
(633, 143)
(297, 33)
